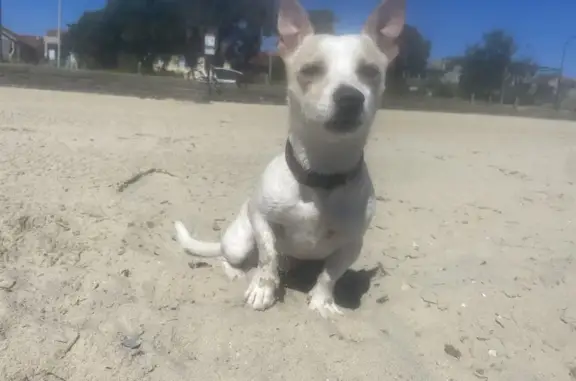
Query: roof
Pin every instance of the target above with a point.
(33, 41)
(52, 33)
(7, 32)
(544, 79)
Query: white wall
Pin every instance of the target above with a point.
(50, 39)
(6, 43)
(50, 43)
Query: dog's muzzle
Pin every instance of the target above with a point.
(348, 109)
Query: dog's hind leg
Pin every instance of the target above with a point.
(235, 248)
(238, 245)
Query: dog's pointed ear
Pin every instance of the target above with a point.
(385, 24)
(293, 26)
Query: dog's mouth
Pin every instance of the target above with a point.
(344, 123)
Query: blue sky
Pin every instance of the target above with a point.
(540, 27)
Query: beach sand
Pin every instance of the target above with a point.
(468, 271)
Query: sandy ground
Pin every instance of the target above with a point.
(468, 271)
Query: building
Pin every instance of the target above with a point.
(51, 44)
(8, 46)
(31, 48)
(544, 86)
(19, 48)
(446, 70)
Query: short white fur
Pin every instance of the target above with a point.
(284, 219)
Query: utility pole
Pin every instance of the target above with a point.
(503, 84)
(561, 73)
(1, 34)
(270, 67)
(59, 50)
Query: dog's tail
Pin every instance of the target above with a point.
(194, 246)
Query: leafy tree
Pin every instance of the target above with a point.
(323, 20)
(517, 83)
(487, 64)
(150, 28)
(88, 38)
(240, 29)
(146, 28)
(412, 60)
(490, 68)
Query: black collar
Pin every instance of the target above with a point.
(319, 180)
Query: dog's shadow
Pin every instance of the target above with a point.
(349, 288)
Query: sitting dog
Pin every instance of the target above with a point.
(315, 200)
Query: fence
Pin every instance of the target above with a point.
(160, 87)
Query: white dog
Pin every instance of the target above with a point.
(316, 200)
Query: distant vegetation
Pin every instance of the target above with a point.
(133, 33)
(147, 29)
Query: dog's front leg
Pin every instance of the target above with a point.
(322, 295)
(261, 292)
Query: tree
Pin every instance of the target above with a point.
(90, 40)
(146, 29)
(488, 64)
(412, 60)
(518, 84)
(322, 20)
(237, 44)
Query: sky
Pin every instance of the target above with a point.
(540, 27)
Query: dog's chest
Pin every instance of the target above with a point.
(315, 227)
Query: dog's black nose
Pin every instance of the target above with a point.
(348, 108)
(348, 99)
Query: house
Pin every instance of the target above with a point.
(447, 70)
(8, 46)
(20, 48)
(31, 48)
(51, 41)
(544, 87)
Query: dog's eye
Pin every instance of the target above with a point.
(312, 70)
(368, 71)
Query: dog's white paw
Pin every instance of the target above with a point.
(232, 272)
(323, 303)
(261, 292)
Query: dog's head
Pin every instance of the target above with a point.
(335, 83)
